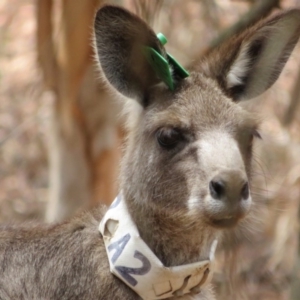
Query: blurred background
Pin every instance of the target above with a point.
(61, 132)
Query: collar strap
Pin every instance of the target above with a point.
(132, 261)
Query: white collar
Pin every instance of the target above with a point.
(132, 261)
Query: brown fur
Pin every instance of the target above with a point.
(167, 191)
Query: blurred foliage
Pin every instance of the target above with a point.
(23, 155)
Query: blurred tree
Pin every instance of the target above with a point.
(258, 10)
(82, 150)
(294, 104)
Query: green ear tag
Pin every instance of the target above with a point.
(163, 40)
(162, 67)
(177, 67)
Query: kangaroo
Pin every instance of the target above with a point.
(185, 175)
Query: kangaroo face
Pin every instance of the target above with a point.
(195, 148)
(188, 157)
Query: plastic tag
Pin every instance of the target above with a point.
(161, 66)
(165, 68)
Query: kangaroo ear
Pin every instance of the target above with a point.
(121, 38)
(248, 64)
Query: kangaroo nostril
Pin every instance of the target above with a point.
(245, 191)
(217, 189)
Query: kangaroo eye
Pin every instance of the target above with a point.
(168, 138)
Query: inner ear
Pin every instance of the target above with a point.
(240, 71)
(121, 38)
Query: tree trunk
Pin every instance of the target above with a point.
(82, 143)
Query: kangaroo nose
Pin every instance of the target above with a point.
(229, 197)
(229, 186)
(217, 188)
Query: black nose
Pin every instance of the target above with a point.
(224, 187)
(217, 189)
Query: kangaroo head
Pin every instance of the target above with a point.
(188, 155)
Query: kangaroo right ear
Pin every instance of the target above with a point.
(121, 38)
(248, 64)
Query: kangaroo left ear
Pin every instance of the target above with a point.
(121, 38)
(247, 65)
